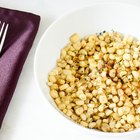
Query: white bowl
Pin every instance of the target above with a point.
(88, 20)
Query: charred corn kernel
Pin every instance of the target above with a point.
(96, 81)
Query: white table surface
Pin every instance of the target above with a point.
(29, 117)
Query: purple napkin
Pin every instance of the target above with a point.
(20, 36)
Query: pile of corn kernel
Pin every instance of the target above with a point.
(97, 81)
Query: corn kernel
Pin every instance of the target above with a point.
(74, 38)
(130, 118)
(103, 99)
(54, 94)
(79, 111)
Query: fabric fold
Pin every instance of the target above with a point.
(21, 33)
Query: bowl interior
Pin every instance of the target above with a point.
(85, 21)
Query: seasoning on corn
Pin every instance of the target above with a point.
(97, 81)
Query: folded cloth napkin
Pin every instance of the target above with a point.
(20, 36)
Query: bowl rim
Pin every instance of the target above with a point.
(100, 133)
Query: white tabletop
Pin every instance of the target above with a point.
(29, 117)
